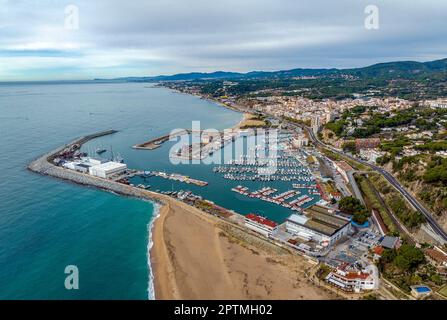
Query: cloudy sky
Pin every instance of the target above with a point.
(44, 40)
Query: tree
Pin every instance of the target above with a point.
(350, 146)
(350, 205)
(408, 258)
(353, 206)
(361, 217)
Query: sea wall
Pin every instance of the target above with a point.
(44, 166)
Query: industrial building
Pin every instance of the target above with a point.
(390, 242)
(108, 169)
(83, 165)
(97, 168)
(318, 224)
(343, 168)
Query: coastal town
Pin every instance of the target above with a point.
(393, 216)
(361, 245)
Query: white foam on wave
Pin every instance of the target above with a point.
(150, 226)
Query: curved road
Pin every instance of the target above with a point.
(391, 179)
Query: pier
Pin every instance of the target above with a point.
(176, 177)
(266, 194)
(158, 142)
(44, 165)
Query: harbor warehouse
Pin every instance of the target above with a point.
(260, 224)
(108, 169)
(318, 225)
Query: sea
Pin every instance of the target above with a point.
(48, 224)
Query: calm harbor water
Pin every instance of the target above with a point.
(47, 224)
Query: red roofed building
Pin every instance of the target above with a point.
(437, 257)
(378, 251)
(370, 143)
(260, 224)
(377, 218)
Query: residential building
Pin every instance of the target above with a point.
(370, 143)
(436, 257)
(351, 280)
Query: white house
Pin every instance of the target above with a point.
(351, 280)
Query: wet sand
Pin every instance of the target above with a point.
(197, 256)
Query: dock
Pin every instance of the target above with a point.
(177, 177)
(158, 142)
(44, 165)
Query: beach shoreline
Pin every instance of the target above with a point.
(197, 256)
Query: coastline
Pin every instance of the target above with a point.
(197, 256)
(150, 244)
(230, 264)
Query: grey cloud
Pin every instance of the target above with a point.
(161, 36)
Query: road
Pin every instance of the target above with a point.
(393, 181)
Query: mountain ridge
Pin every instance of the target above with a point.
(394, 69)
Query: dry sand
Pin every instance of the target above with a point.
(196, 256)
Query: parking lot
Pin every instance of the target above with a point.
(354, 250)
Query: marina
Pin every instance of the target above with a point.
(266, 194)
(274, 185)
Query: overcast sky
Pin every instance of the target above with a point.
(43, 40)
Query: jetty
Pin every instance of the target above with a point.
(176, 177)
(158, 142)
(44, 165)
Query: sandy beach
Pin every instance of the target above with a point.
(197, 256)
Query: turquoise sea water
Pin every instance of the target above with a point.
(47, 224)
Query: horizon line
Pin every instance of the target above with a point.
(122, 78)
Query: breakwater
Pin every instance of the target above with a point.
(44, 166)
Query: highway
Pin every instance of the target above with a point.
(392, 180)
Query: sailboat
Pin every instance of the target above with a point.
(119, 159)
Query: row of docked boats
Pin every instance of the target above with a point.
(265, 194)
(266, 176)
(256, 162)
(275, 170)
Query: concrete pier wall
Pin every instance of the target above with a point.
(43, 166)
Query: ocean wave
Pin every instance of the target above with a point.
(150, 287)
